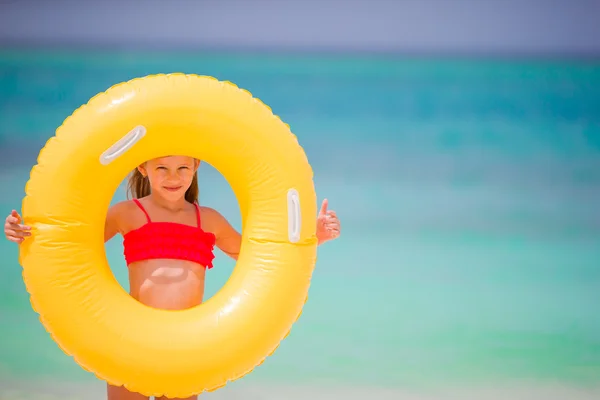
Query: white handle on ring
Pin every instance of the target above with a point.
(294, 216)
(122, 145)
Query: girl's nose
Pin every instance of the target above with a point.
(173, 174)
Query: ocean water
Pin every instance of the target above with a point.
(469, 196)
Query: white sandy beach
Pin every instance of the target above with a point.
(41, 391)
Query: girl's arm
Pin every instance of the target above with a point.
(113, 217)
(16, 232)
(229, 241)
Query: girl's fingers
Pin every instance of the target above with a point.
(11, 231)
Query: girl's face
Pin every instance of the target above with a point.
(171, 176)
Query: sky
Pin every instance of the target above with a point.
(446, 26)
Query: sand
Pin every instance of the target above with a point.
(44, 391)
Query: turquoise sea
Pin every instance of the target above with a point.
(469, 195)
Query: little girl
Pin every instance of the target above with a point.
(164, 271)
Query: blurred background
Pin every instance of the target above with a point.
(459, 142)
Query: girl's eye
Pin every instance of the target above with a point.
(184, 167)
(161, 168)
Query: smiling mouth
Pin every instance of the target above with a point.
(172, 188)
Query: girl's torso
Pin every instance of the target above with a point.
(167, 255)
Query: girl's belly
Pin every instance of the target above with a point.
(167, 284)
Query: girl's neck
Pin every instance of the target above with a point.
(178, 205)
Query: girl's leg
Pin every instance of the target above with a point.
(120, 393)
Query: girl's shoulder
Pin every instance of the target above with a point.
(208, 213)
(212, 220)
(125, 214)
(123, 207)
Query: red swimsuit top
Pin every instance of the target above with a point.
(169, 240)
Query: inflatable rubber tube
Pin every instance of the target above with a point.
(81, 304)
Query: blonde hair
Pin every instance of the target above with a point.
(138, 186)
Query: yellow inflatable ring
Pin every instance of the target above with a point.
(81, 304)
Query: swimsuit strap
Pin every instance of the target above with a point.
(136, 201)
(198, 215)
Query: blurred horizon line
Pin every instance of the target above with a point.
(13, 45)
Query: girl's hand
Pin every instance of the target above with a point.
(14, 231)
(328, 224)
